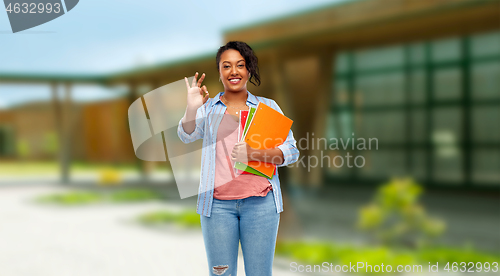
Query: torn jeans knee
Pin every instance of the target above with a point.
(219, 269)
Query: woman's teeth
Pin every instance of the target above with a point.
(234, 80)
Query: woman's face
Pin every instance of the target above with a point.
(233, 71)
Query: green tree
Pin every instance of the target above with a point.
(50, 143)
(23, 148)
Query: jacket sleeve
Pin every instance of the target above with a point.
(289, 147)
(199, 130)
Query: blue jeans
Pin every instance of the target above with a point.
(253, 221)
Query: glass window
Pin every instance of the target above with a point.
(387, 127)
(484, 45)
(486, 164)
(380, 89)
(485, 80)
(383, 164)
(447, 155)
(448, 165)
(447, 124)
(340, 91)
(417, 54)
(418, 129)
(445, 50)
(419, 164)
(448, 84)
(379, 58)
(378, 82)
(338, 163)
(486, 124)
(342, 63)
(418, 86)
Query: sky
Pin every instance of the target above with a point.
(114, 35)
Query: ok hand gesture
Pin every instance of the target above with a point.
(196, 95)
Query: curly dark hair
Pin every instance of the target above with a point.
(251, 61)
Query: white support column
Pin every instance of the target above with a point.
(323, 98)
(60, 122)
(66, 142)
(134, 95)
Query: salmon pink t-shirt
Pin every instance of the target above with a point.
(229, 182)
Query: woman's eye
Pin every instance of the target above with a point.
(226, 66)
(241, 65)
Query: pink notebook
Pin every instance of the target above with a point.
(243, 121)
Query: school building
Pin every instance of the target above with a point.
(422, 77)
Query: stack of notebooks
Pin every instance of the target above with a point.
(262, 128)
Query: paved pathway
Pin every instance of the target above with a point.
(104, 241)
(93, 240)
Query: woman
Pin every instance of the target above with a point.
(234, 207)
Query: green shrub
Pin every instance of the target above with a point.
(189, 218)
(157, 217)
(185, 218)
(395, 218)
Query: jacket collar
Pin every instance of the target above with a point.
(250, 99)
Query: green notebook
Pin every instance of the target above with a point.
(243, 167)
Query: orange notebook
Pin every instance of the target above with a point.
(268, 129)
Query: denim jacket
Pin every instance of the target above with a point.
(208, 118)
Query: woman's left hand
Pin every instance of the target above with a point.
(242, 152)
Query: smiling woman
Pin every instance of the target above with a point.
(234, 207)
(234, 76)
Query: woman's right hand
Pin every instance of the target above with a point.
(197, 95)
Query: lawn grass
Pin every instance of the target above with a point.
(92, 197)
(72, 198)
(189, 219)
(314, 253)
(53, 167)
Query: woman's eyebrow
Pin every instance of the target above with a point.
(230, 62)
